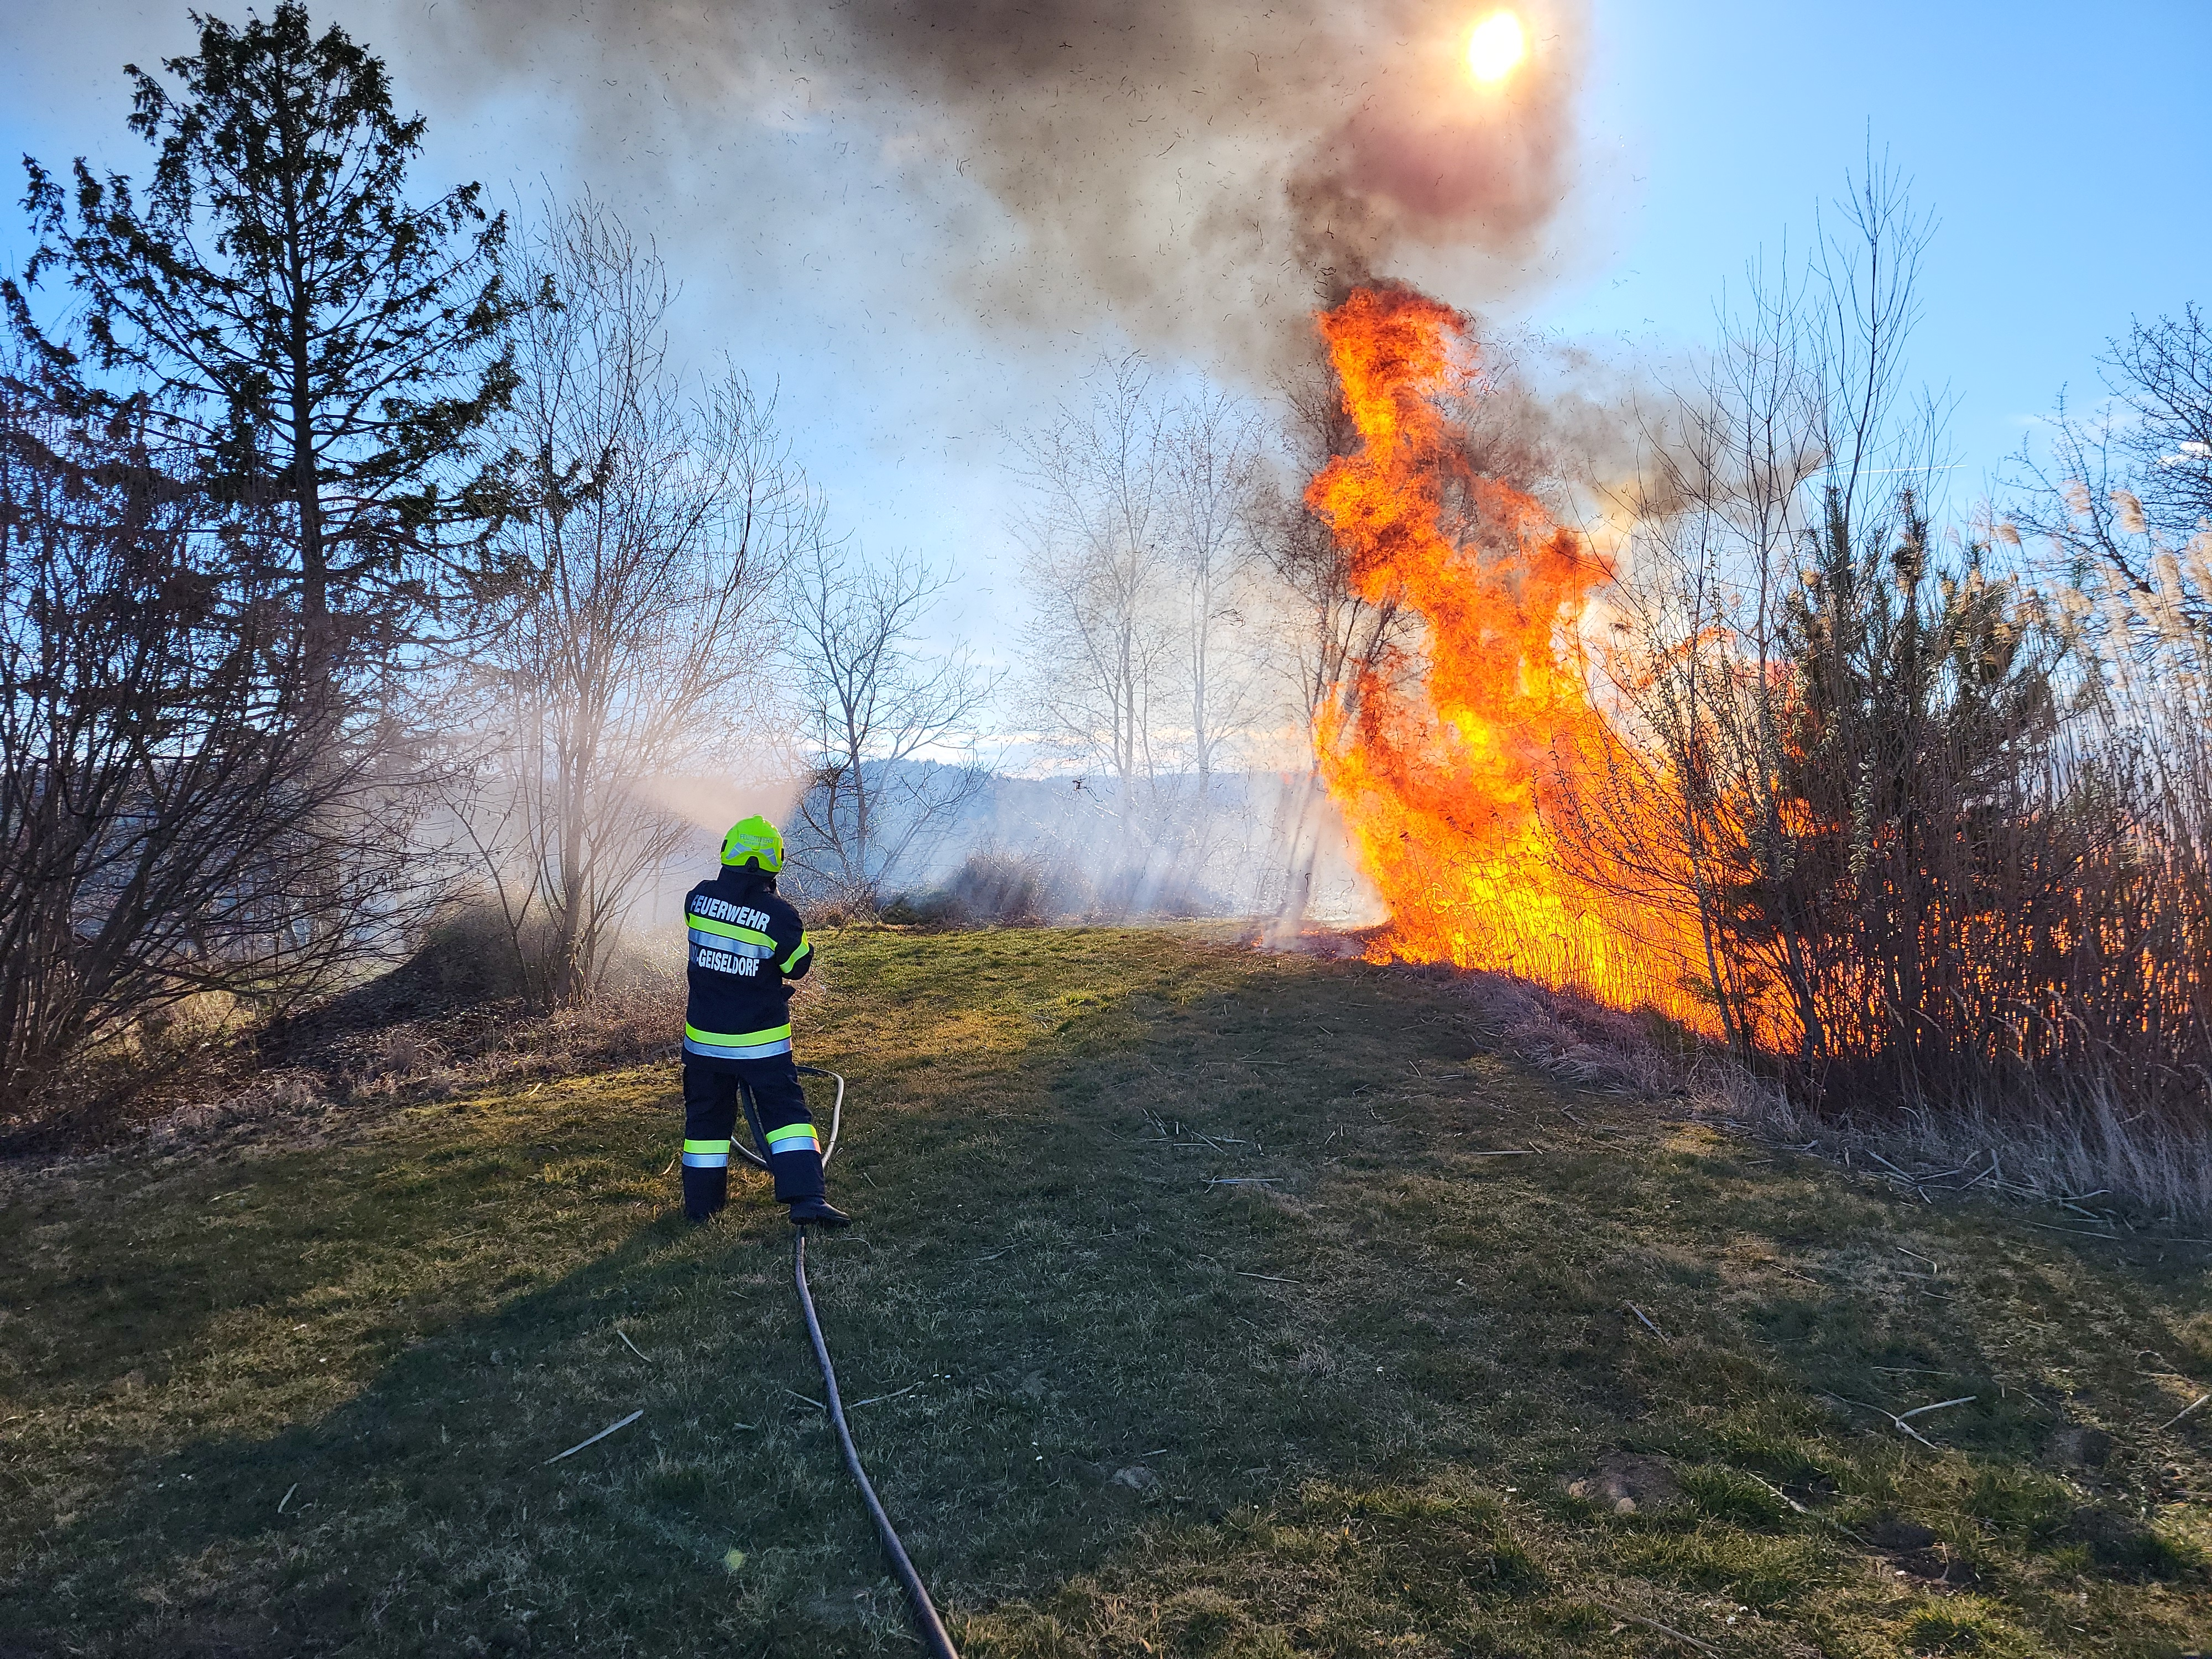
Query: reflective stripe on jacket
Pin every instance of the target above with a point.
(744, 944)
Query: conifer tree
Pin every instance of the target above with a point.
(327, 350)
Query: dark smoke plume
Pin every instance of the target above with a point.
(1207, 170)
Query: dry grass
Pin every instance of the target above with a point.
(2139, 1168)
(347, 1078)
(1392, 1396)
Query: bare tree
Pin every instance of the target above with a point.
(1145, 642)
(1795, 447)
(1338, 636)
(184, 810)
(887, 728)
(2123, 504)
(650, 519)
(1721, 519)
(2132, 479)
(1210, 459)
(2123, 497)
(1098, 639)
(2163, 371)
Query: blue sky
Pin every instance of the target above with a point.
(2062, 149)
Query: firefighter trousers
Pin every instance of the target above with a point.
(710, 1118)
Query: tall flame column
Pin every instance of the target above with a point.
(1455, 762)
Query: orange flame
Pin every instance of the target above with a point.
(1456, 770)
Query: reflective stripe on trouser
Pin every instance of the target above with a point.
(792, 1138)
(706, 1154)
(710, 1113)
(739, 1045)
(707, 1124)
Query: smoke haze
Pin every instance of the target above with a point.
(1203, 173)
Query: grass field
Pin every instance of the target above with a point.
(1202, 1312)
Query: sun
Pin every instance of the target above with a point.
(1498, 45)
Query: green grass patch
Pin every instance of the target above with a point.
(1193, 1318)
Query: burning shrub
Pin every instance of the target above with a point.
(1893, 822)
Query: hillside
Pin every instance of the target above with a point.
(1205, 1302)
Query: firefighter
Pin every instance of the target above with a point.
(746, 946)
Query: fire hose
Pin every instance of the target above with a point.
(917, 1593)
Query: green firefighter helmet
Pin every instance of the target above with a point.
(755, 841)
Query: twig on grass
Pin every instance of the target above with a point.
(631, 1346)
(1525, 1152)
(1648, 1325)
(817, 1404)
(1664, 1629)
(596, 1438)
(2078, 1232)
(878, 1398)
(287, 1498)
(1902, 1426)
(1273, 1279)
(1912, 1179)
(2183, 1413)
(1963, 1400)
(1783, 1495)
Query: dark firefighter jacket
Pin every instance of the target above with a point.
(746, 943)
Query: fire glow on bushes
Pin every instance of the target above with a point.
(1456, 768)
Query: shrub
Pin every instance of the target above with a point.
(991, 889)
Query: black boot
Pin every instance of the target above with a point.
(819, 1211)
(706, 1191)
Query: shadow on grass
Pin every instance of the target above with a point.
(1196, 1307)
(415, 1516)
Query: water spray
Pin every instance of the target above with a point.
(926, 1622)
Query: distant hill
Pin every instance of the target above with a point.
(1233, 843)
